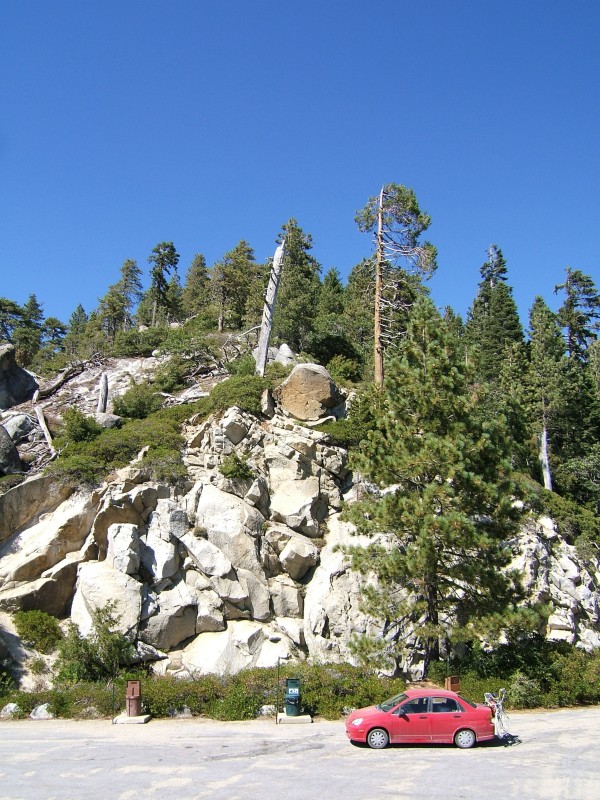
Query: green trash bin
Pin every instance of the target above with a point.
(292, 697)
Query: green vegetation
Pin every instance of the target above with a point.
(38, 629)
(243, 391)
(96, 657)
(138, 402)
(535, 673)
(451, 511)
(235, 467)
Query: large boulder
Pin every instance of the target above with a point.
(16, 384)
(99, 584)
(231, 525)
(300, 505)
(18, 426)
(244, 644)
(123, 547)
(308, 393)
(25, 503)
(174, 619)
(34, 549)
(10, 463)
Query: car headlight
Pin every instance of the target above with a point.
(357, 721)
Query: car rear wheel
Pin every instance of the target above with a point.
(464, 739)
(378, 738)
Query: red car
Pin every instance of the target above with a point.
(422, 715)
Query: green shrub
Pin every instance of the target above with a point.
(173, 374)
(138, 402)
(6, 682)
(243, 391)
(235, 467)
(344, 370)
(575, 678)
(98, 656)
(78, 427)
(276, 373)
(80, 469)
(38, 629)
(139, 343)
(523, 691)
(242, 365)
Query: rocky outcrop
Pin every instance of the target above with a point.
(235, 572)
(16, 384)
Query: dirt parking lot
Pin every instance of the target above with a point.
(556, 757)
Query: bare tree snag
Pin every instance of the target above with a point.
(268, 310)
(47, 436)
(102, 394)
(378, 294)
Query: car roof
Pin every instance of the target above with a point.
(428, 692)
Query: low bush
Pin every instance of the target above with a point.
(38, 629)
(98, 656)
(138, 402)
(77, 427)
(242, 365)
(243, 391)
(235, 467)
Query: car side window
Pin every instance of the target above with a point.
(444, 705)
(416, 706)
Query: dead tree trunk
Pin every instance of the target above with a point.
(378, 295)
(102, 394)
(47, 435)
(268, 310)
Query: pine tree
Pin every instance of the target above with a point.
(195, 296)
(298, 295)
(451, 506)
(27, 334)
(164, 259)
(580, 312)
(75, 331)
(493, 321)
(11, 314)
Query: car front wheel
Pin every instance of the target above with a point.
(464, 739)
(378, 738)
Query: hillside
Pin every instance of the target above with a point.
(241, 560)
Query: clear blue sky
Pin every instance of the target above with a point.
(125, 123)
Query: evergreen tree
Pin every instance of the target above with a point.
(195, 296)
(493, 321)
(234, 288)
(164, 259)
(298, 295)
(451, 507)
(27, 333)
(75, 331)
(359, 304)
(329, 338)
(174, 299)
(580, 312)
(11, 315)
(130, 285)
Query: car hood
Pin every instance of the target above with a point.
(363, 712)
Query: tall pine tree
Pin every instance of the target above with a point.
(449, 505)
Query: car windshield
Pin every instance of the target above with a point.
(387, 705)
(468, 702)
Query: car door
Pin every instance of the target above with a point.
(410, 721)
(446, 717)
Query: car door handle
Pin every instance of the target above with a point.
(423, 716)
(456, 716)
